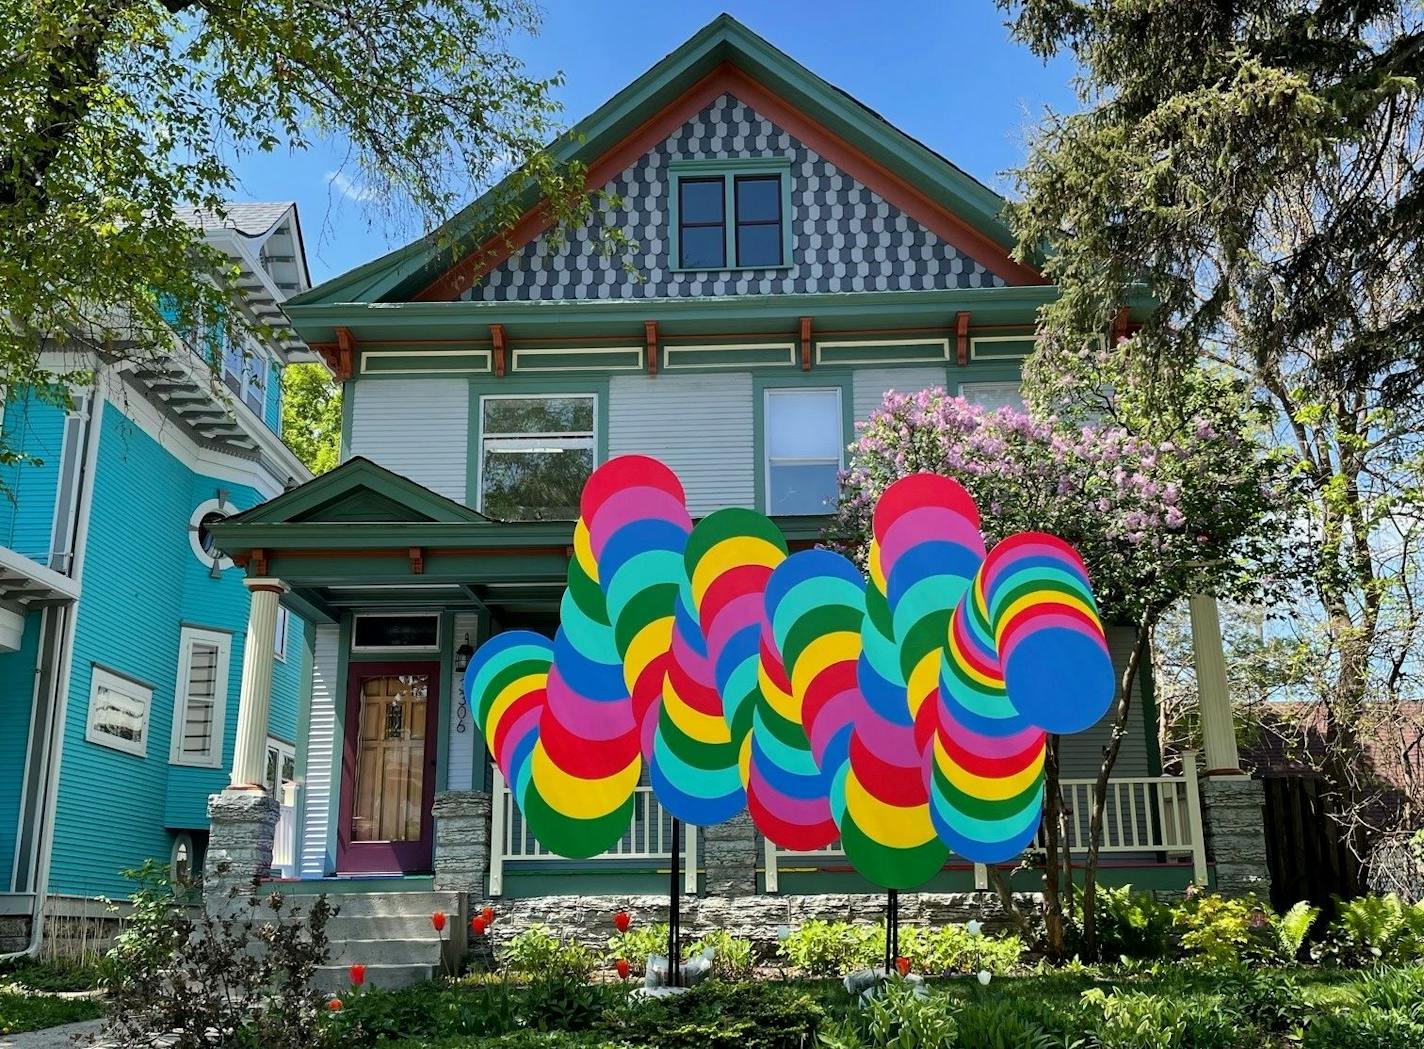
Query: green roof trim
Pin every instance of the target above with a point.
(402, 273)
(356, 492)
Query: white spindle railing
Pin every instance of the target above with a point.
(649, 837)
(1144, 814)
(284, 840)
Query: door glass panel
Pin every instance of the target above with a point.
(390, 758)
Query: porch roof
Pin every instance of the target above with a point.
(362, 536)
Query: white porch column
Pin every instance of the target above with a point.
(1214, 697)
(249, 752)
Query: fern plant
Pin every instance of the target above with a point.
(1293, 927)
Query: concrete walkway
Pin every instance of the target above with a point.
(61, 1037)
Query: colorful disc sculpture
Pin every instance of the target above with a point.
(904, 714)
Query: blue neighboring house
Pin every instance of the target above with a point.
(121, 623)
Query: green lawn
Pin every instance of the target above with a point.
(22, 1010)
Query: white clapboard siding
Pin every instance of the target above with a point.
(460, 769)
(419, 428)
(872, 384)
(323, 754)
(1082, 752)
(700, 425)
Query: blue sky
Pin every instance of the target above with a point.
(947, 73)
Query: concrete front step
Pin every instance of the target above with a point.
(386, 951)
(394, 904)
(337, 978)
(416, 927)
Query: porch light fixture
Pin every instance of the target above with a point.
(462, 663)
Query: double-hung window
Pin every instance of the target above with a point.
(536, 452)
(244, 372)
(993, 395)
(280, 768)
(118, 712)
(200, 697)
(731, 216)
(804, 434)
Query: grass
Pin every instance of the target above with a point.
(24, 1011)
(52, 975)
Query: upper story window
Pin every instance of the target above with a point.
(244, 372)
(993, 395)
(536, 452)
(395, 632)
(731, 214)
(804, 436)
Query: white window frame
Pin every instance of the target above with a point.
(991, 385)
(187, 637)
(283, 749)
(279, 638)
(208, 506)
(254, 363)
(523, 438)
(102, 677)
(396, 648)
(766, 457)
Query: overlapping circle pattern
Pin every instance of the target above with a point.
(904, 714)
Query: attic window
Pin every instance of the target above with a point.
(731, 214)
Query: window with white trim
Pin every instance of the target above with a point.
(118, 712)
(280, 768)
(804, 437)
(993, 395)
(200, 697)
(279, 641)
(536, 452)
(244, 372)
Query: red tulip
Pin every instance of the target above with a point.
(623, 968)
(621, 921)
(488, 915)
(358, 975)
(478, 925)
(903, 964)
(438, 920)
(334, 1005)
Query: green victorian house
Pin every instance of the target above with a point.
(796, 258)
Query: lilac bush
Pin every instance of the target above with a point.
(1155, 516)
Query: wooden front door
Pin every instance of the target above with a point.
(388, 768)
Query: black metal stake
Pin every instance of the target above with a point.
(892, 930)
(674, 963)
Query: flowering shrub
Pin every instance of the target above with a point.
(1190, 510)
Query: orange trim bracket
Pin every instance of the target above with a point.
(650, 337)
(961, 333)
(497, 341)
(805, 344)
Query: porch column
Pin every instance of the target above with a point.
(1213, 693)
(249, 752)
(1232, 803)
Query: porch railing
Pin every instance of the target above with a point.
(284, 840)
(649, 837)
(1144, 815)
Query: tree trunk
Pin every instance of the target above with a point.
(1055, 931)
(1100, 790)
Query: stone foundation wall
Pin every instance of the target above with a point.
(14, 933)
(761, 919)
(1234, 822)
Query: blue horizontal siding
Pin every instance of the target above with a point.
(142, 583)
(17, 687)
(27, 489)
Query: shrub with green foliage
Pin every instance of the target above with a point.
(732, 956)
(1270, 998)
(538, 952)
(1365, 1029)
(1130, 925)
(717, 1015)
(1222, 930)
(821, 948)
(1005, 1023)
(1374, 929)
(953, 949)
(427, 1011)
(898, 1016)
(1138, 1020)
(635, 945)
